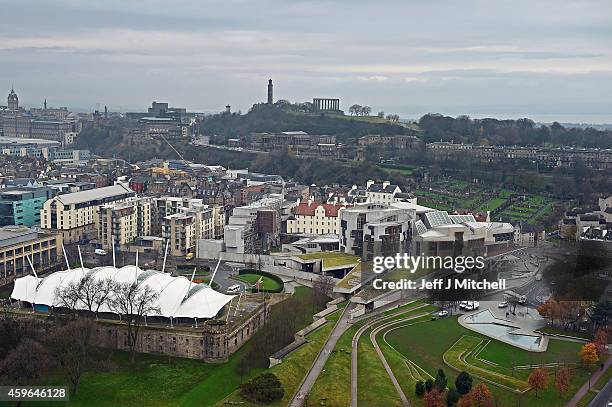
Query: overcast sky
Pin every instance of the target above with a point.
(458, 56)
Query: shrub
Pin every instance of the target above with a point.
(463, 383)
(419, 388)
(263, 389)
(429, 384)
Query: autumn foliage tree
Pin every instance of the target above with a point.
(538, 379)
(479, 396)
(588, 354)
(601, 341)
(549, 310)
(434, 398)
(562, 381)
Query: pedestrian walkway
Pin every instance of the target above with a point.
(585, 387)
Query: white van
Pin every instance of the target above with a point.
(100, 252)
(233, 289)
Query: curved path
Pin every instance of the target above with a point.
(309, 380)
(355, 345)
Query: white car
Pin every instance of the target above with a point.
(472, 305)
(443, 313)
(502, 304)
(100, 252)
(463, 304)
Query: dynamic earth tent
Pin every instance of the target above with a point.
(178, 297)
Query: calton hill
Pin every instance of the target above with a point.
(518, 189)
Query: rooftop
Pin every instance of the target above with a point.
(93, 194)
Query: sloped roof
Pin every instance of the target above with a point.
(304, 209)
(177, 296)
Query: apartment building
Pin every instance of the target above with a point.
(315, 218)
(183, 228)
(382, 193)
(76, 215)
(124, 221)
(18, 243)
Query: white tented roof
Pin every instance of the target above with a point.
(177, 296)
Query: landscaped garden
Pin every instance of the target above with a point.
(268, 283)
(331, 259)
(429, 345)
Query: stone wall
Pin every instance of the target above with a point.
(213, 341)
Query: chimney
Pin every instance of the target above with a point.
(386, 184)
(369, 183)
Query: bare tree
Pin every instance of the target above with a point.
(95, 293)
(68, 296)
(323, 288)
(72, 346)
(89, 293)
(25, 364)
(133, 303)
(355, 110)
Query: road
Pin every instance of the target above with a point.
(606, 393)
(311, 377)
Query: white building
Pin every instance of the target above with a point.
(75, 215)
(315, 219)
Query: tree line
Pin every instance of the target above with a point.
(521, 132)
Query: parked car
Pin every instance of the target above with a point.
(189, 256)
(443, 313)
(502, 304)
(100, 252)
(462, 304)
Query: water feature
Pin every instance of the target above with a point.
(484, 322)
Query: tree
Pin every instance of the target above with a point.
(601, 313)
(601, 342)
(25, 364)
(366, 110)
(588, 354)
(452, 397)
(538, 379)
(355, 110)
(263, 389)
(133, 302)
(323, 288)
(434, 398)
(429, 384)
(72, 345)
(441, 380)
(549, 310)
(562, 381)
(419, 388)
(463, 383)
(479, 396)
(381, 114)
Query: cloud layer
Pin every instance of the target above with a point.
(475, 56)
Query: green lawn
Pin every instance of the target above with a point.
(374, 388)
(267, 282)
(333, 386)
(425, 344)
(331, 259)
(153, 381)
(294, 367)
(492, 204)
(406, 170)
